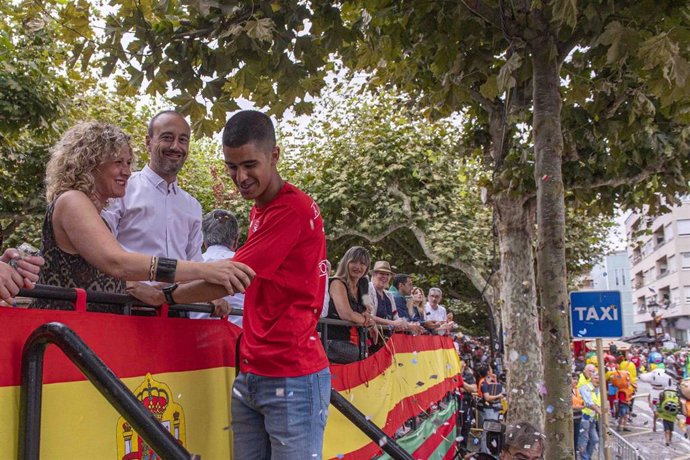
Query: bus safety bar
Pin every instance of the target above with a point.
(119, 395)
(114, 391)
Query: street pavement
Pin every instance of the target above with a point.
(651, 444)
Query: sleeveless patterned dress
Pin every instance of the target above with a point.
(72, 271)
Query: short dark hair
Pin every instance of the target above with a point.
(482, 370)
(521, 434)
(249, 126)
(160, 114)
(400, 278)
(219, 227)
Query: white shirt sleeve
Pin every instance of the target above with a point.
(112, 214)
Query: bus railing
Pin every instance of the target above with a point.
(105, 381)
(119, 395)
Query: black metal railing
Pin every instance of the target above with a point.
(105, 381)
(376, 434)
(128, 303)
(119, 396)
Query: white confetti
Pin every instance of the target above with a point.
(280, 392)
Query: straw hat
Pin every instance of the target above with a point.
(382, 266)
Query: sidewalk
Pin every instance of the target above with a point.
(651, 445)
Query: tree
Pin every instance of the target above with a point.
(39, 102)
(612, 77)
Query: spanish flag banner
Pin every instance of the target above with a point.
(182, 371)
(406, 378)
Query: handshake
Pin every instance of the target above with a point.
(19, 269)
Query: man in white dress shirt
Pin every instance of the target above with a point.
(221, 235)
(156, 216)
(435, 312)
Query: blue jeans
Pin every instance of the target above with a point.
(588, 438)
(280, 418)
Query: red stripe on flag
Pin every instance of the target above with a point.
(346, 376)
(434, 441)
(415, 404)
(405, 409)
(450, 455)
(131, 346)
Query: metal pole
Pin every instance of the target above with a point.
(604, 450)
(107, 383)
(387, 444)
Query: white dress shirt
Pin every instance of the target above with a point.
(435, 315)
(156, 218)
(218, 252)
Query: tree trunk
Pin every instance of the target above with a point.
(523, 350)
(551, 266)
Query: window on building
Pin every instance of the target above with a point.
(668, 232)
(686, 291)
(671, 266)
(675, 296)
(685, 260)
(683, 227)
(647, 248)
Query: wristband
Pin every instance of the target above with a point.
(165, 271)
(167, 292)
(152, 268)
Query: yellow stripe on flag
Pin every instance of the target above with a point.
(410, 374)
(78, 423)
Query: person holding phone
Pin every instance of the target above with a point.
(17, 270)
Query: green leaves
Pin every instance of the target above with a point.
(505, 79)
(565, 12)
(260, 29)
(613, 37)
(662, 52)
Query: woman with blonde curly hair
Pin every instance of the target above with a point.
(89, 165)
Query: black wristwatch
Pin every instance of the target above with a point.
(167, 292)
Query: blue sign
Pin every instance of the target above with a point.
(596, 314)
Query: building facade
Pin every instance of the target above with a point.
(659, 251)
(613, 274)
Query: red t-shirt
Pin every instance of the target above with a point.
(286, 248)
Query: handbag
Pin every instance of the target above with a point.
(342, 352)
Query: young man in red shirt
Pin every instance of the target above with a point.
(280, 397)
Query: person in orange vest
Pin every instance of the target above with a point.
(628, 365)
(624, 391)
(578, 404)
(490, 392)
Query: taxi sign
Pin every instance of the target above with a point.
(596, 314)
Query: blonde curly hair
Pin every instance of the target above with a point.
(77, 155)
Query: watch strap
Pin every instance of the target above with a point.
(168, 293)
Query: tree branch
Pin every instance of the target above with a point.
(486, 104)
(564, 48)
(472, 273)
(617, 181)
(484, 11)
(339, 233)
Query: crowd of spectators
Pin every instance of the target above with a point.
(97, 237)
